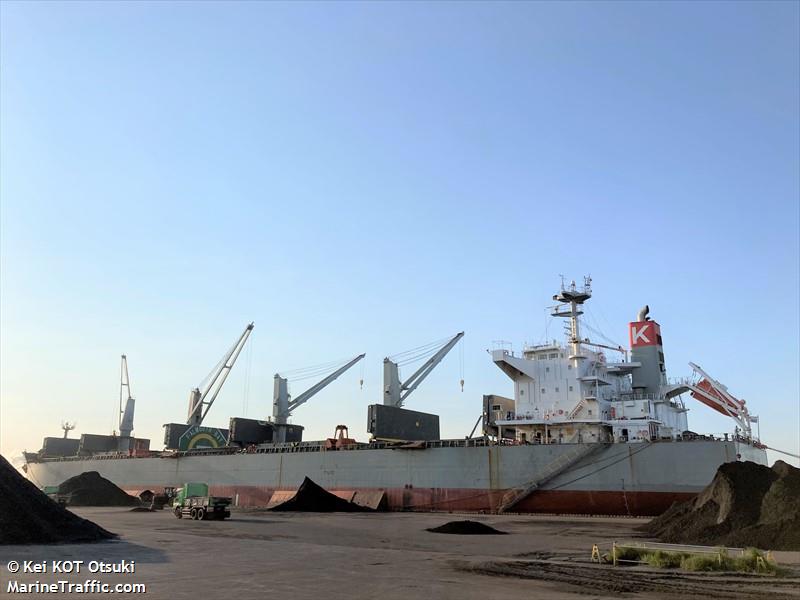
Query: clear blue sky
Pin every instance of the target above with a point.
(369, 177)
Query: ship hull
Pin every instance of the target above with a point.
(614, 479)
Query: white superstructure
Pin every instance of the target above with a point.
(573, 392)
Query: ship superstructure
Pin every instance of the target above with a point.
(575, 393)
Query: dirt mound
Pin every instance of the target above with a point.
(90, 489)
(312, 498)
(466, 528)
(746, 504)
(28, 516)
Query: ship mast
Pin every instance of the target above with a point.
(571, 298)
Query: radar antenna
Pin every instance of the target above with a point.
(67, 427)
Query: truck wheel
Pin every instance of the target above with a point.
(178, 512)
(193, 512)
(201, 514)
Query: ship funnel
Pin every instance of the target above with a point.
(643, 312)
(647, 350)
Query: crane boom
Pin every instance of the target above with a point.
(306, 396)
(126, 401)
(198, 405)
(282, 406)
(394, 392)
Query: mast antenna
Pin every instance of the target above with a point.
(571, 299)
(67, 427)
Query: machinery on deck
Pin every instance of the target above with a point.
(341, 439)
(198, 405)
(390, 421)
(283, 404)
(126, 399)
(192, 434)
(395, 392)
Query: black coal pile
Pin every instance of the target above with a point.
(90, 489)
(312, 498)
(746, 504)
(466, 528)
(28, 516)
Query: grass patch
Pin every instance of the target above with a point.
(665, 560)
(752, 561)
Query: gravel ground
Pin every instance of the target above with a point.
(380, 555)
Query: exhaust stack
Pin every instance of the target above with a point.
(647, 349)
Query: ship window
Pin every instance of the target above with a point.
(569, 366)
(542, 356)
(570, 388)
(590, 412)
(544, 390)
(556, 389)
(496, 407)
(547, 369)
(554, 355)
(521, 392)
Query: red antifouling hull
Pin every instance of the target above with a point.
(473, 500)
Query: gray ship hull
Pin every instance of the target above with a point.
(620, 478)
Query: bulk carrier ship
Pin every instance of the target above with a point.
(590, 429)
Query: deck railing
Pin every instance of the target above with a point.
(453, 443)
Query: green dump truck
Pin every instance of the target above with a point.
(52, 493)
(192, 500)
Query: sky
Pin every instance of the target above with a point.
(369, 177)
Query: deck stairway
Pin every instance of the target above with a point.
(578, 407)
(563, 462)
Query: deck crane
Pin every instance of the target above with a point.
(283, 404)
(199, 405)
(395, 392)
(125, 397)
